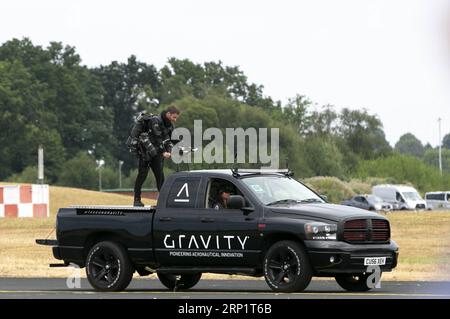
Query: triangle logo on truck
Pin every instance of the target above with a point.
(185, 188)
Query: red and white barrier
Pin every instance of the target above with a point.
(24, 201)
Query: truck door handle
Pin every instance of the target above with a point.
(207, 220)
(165, 219)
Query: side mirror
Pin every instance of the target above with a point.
(324, 197)
(236, 202)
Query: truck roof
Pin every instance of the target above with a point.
(240, 172)
(206, 171)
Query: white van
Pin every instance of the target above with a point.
(438, 200)
(400, 196)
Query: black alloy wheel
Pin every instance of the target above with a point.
(108, 267)
(286, 267)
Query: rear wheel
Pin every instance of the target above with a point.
(356, 282)
(179, 282)
(286, 267)
(108, 267)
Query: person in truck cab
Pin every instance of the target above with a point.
(153, 135)
(222, 197)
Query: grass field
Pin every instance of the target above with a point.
(422, 237)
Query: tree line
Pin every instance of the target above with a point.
(81, 114)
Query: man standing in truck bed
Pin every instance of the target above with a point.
(152, 135)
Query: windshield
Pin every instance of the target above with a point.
(273, 190)
(411, 196)
(374, 199)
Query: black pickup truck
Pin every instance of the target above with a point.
(272, 226)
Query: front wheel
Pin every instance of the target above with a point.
(108, 267)
(286, 267)
(179, 282)
(356, 282)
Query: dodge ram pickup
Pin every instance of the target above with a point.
(270, 226)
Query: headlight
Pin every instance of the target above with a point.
(320, 231)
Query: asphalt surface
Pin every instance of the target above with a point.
(40, 288)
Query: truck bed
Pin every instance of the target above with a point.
(79, 226)
(116, 207)
(110, 210)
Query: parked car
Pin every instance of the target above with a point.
(400, 196)
(369, 202)
(438, 200)
(272, 226)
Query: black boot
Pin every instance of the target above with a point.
(138, 203)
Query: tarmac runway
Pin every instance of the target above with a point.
(45, 288)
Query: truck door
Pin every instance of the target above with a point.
(173, 220)
(188, 234)
(228, 237)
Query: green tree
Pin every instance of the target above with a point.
(431, 158)
(21, 105)
(410, 145)
(324, 123)
(363, 133)
(56, 99)
(80, 171)
(446, 141)
(324, 157)
(28, 175)
(404, 169)
(129, 88)
(297, 113)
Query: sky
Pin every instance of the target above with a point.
(391, 57)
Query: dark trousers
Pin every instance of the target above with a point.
(157, 165)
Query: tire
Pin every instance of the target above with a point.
(108, 267)
(286, 267)
(185, 281)
(356, 282)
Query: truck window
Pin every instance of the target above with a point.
(214, 188)
(183, 192)
(272, 189)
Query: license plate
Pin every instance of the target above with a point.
(374, 261)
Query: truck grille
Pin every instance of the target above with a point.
(366, 231)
